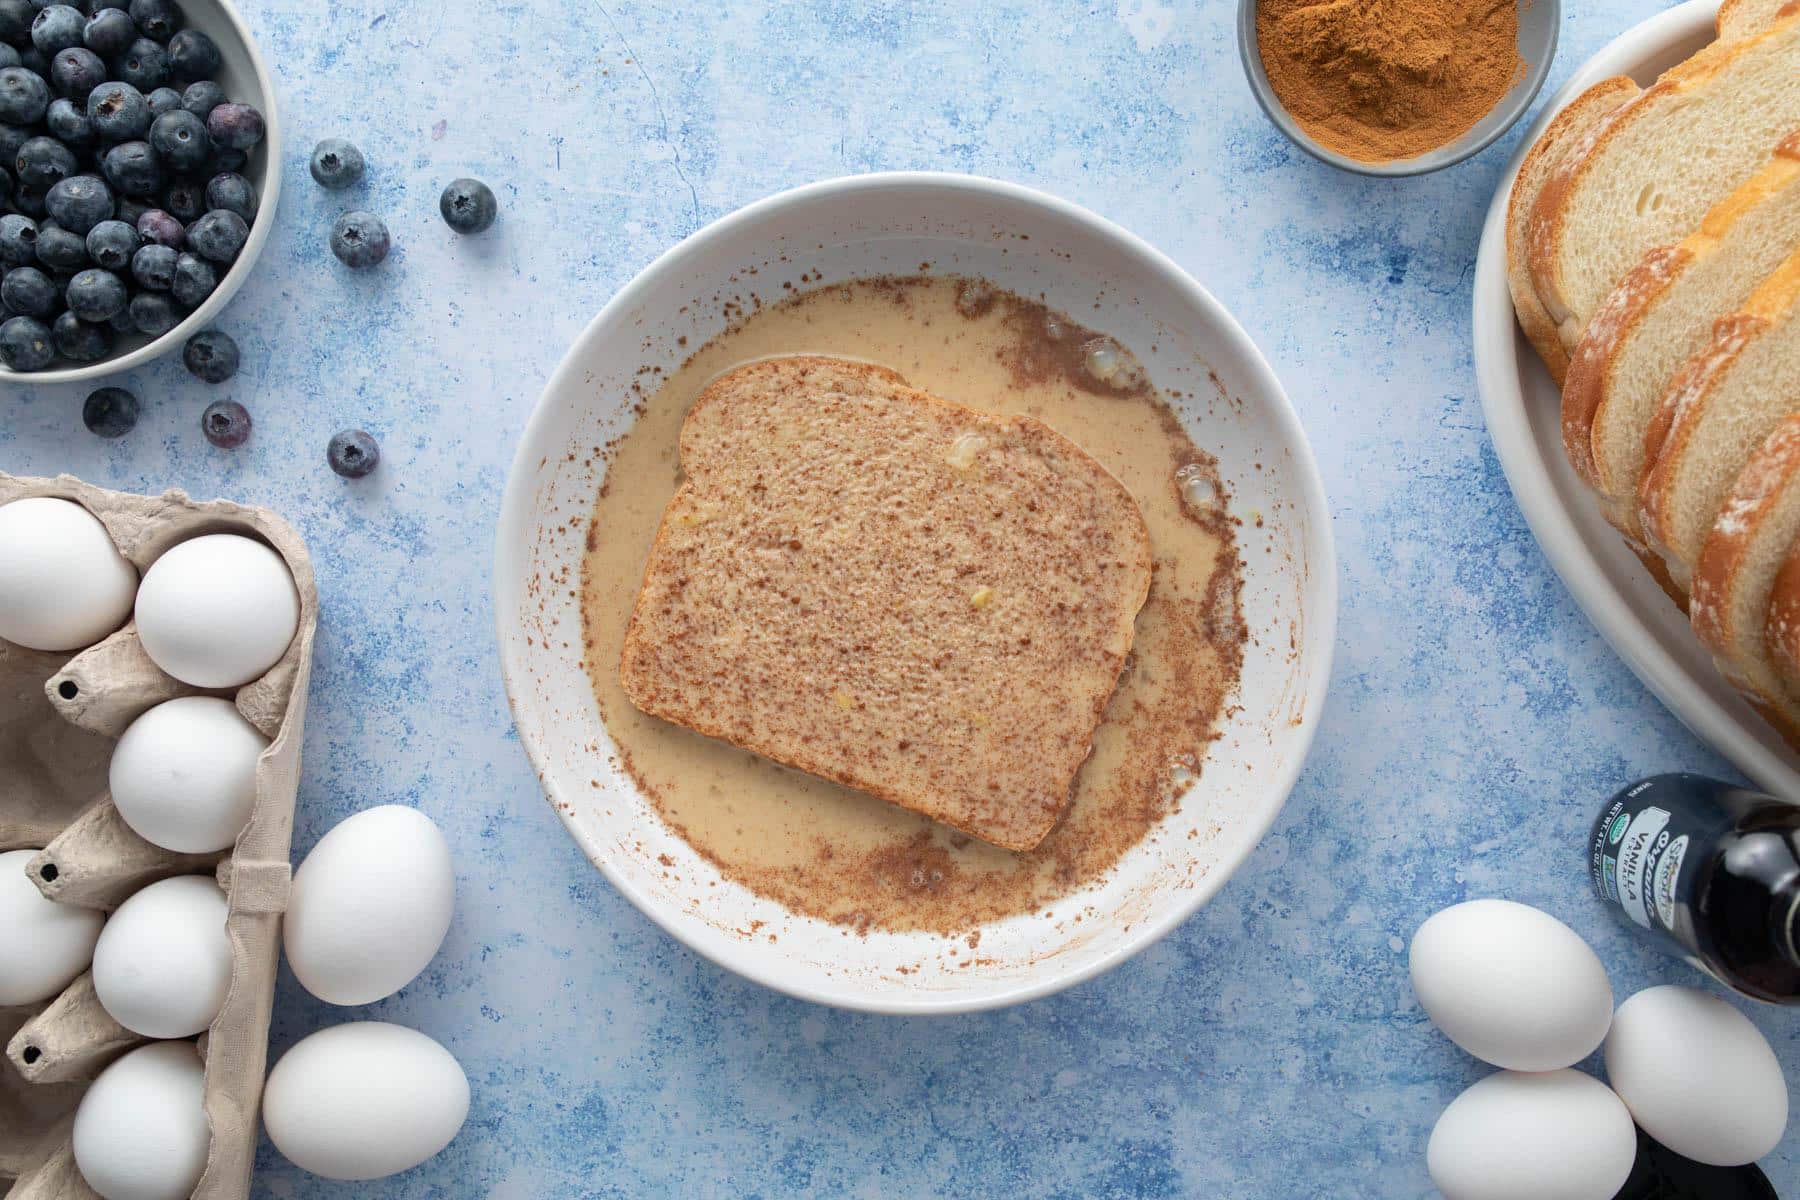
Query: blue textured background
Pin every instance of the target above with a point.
(1271, 1046)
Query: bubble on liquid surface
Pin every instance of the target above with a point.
(1112, 365)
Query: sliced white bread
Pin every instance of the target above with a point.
(1717, 410)
(1781, 630)
(1571, 125)
(1742, 18)
(1660, 316)
(1734, 578)
(1647, 173)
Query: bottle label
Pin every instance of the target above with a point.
(1639, 848)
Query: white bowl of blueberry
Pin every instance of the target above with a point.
(140, 161)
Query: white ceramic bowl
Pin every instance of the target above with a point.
(1029, 243)
(246, 80)
(1523, 410)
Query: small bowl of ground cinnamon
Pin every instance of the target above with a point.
(1396, 87)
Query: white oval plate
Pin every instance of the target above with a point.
(1031, 244)
(1523, 410)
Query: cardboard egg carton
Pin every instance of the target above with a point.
(59, 718)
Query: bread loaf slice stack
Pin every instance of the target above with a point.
(1653, 246)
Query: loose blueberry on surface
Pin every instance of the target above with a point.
(336, 163)
(193, 55)
(359, 239)
(109, 32)
(195, 279)
(144, 65)
(110, 244)
(60, 250)
(233, 193)
(42, 161)
(353, 453)
(211, 355)
(57, 27)
(110, 412)
(226, 424)
(468, 205)
(153, 313)
(68, 124)
(29, 291)
(185, 199)
(180, 141)
(15, 21)
(23, 96)
(219, 235)
(153, 266)
(118, 111)
(18, 240)
(235, 126)
(132, 168)
(79, 202)
(77, 71)
(201, 97)
(158, 19)
(25, 344)
(79, 341)
(162, 229)
(96, 295)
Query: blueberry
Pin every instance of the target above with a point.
(23, 96)
(18, 240)
(79, 202)
(12, 139)
(202, 97)
(57, 27)
(195, 279)
(336, 163)
(235, 126)
(15, 21)
(109, 32)
(29, 291)
(144, 65)
(118, 112)
(211, 355)
(94, 6)
(353, 453)
(132, 168)
(131, 211)
(233, 193)
(96, 295)
(9, 55)
(68, 124)
(163, 100)
(110, 412)
(193, 55)
(36, 63)
(226, 424)
(153, 266)
(180, 141)
(219, 235)
(77, 71)
(185, 199)
(359, 239)
(60, 249)
(25, 344)
(29, 201)
(158, 19)
(122, 324)
(152, 313)
(44, 160)
(75, 339)
(110, 244)
(157, 227)
(468, 205)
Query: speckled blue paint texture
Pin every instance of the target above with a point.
(1271, 1046)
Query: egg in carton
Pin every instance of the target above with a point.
(59, 719)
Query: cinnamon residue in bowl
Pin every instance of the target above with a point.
(1377, 80)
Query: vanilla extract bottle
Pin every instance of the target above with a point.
(1710, 870)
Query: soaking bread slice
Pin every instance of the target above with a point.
(1735, 577)
(1660, 316)
(1647, 173)
(1742, 18)
(895, 592)
(1720, 407)
(1579, 117)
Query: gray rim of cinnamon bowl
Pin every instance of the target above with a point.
(1540, 22)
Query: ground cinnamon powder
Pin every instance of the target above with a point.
(1385, 79)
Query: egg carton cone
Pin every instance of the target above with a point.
(60, 715)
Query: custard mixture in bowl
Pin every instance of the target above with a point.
(1005, 301)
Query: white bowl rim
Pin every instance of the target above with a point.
(269, 198)
(1319, 550)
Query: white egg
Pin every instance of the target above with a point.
(1554, 1135)
(63, 584)
(163, 962)
(43, 945)
(1511, 985)
(217, 611)
(364, 1100)
(1697, 1075)
(184, 774)
(140, 1133)
(370, 906)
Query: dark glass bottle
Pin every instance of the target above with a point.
(1661, 1174)
(1713, 869)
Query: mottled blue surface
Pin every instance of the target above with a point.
(1271, 1046)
